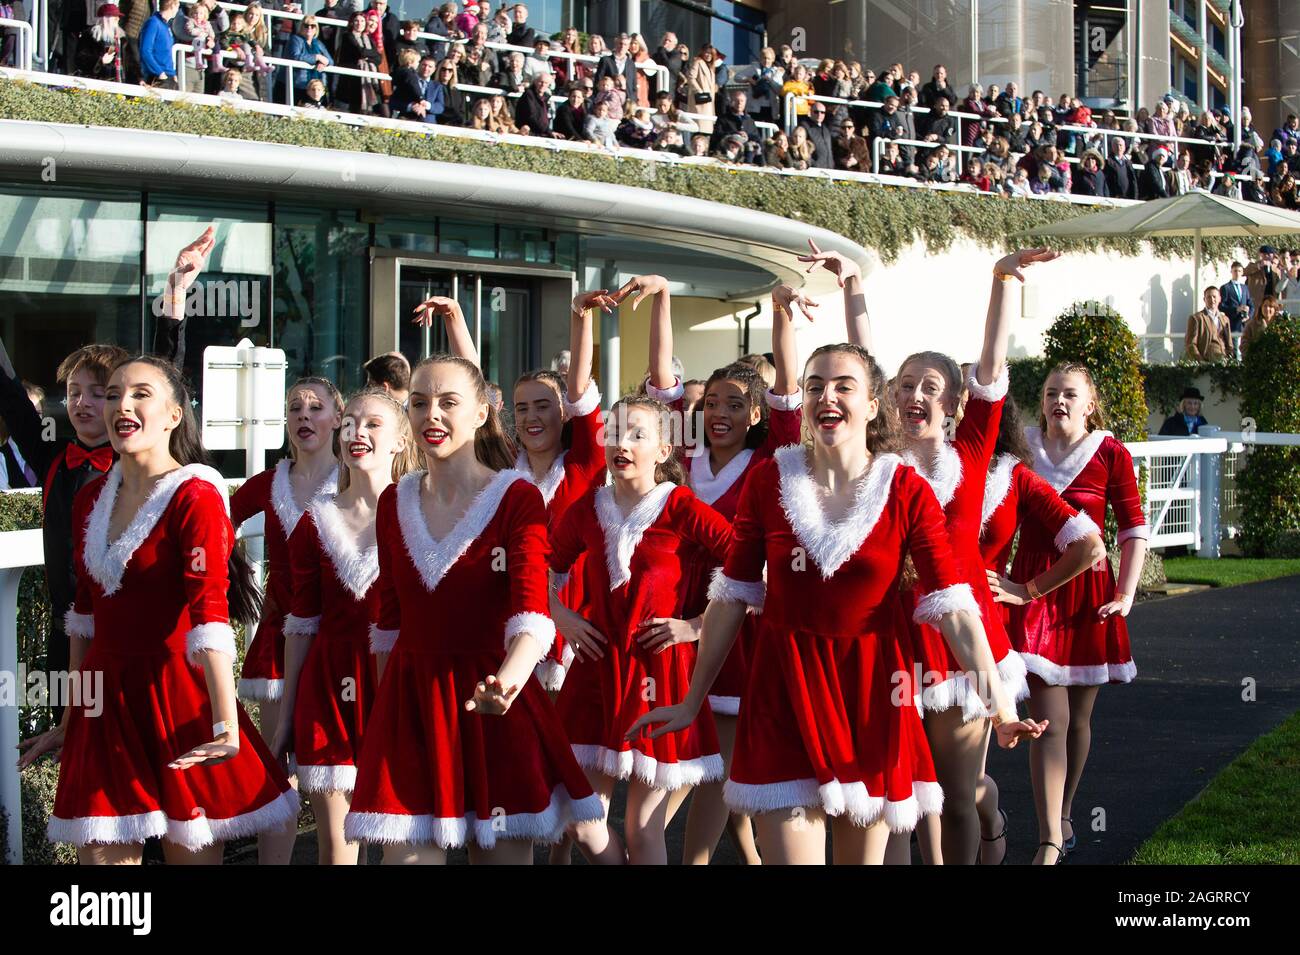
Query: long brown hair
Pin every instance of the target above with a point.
(331, 390)
(1011, 434)
(243, 597)
(404, 461)
(1096, 420)
(884, 432)
(552, 380)
(670, 470)
(492, 447)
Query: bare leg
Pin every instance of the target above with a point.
(179, 855)
(855, 845)
(677, 798)
(1047, 762)
(596, 840)
(128, 853)
(958, 750)
(332, 847)
(792, 836)
(929, 836)
(1079, 741)
(401, 853)
(643, 828)
(505, 852)
(275, 847)
(899, 850)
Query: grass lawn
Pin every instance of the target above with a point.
(1227, 571)
(1246, 816)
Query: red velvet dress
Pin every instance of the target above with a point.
(430, 771)
(149, 603)
(721, 491)
(634, 571)
(573, 473)
(830, 719)
(957, 480)
(335, 600)
(1060, 637)
(270, 493)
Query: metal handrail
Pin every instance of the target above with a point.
(26, 39)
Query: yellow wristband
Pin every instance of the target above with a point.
(1032, 587)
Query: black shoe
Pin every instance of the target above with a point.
(1061, 854)
(1006, 850)
(1073, 841)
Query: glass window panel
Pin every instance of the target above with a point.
(475, 239)
(527, 245)
(412, 235)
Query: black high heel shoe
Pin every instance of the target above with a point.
(1073, 841)
(1061, 854)
(1006, 850)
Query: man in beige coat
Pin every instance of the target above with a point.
(1209, 336)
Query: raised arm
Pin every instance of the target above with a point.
(1002, 310)
(169, 333)
(661, 325)
(784, 353)
(849, 276)
(582, 342)
(459, 341)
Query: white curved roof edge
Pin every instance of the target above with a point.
(142, 157)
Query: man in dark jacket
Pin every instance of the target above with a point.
(533, 109)
(736, 121)
(884, 122)
(619, 62)
(938, 126)
(670, 58)
(938, 89)
(1121, 179)
(521, 34)
(1188, 419)
(417, 96)
(1236, 301)
(819, 134)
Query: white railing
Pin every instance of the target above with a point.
(26, 39)
(20, 550)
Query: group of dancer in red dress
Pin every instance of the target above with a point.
(468, 639)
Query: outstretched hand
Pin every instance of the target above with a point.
(666, 719)
(1012, 732)
(843, 269)
(210, 754)
(643, 286)
(599, 298)
(192, 259)
(34, 747)
(1015, 263)
(491, 697)
(786, 297)
(436, 306)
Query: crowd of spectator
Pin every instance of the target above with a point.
(1237, 311)
(671, 98)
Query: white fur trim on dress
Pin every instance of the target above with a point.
(724, 589)
(1075, 529)
(286, 508)
(997, 485)
(666, 395)
(622, 535)
(325, 779)
(551, 673)
(79, 624)
(836, 799)
(587, 402)
(433, 558)
(724, 705)
(295, 626)
(550, 482)
(451, 832)
(538, 626)
(194, 834)
(209, 636)
(830, 544)
(355, 568)
(1054, 674)
(995, 391)
(791, 402)
(381, 641)
(629, 763)
(256, 689)
(956, 690)
(107, 563)
(1062, 475)
(943, 473)
(706, 485)
(945, 600)
(1140, 532)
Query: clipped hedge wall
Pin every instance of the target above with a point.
(1269, 485)
(883, 218)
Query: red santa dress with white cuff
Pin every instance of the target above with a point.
(430, 771)
(1060, 636)
(634, 572)
(335, 600)
(957, 479)
(150, 603)
(573, 473)
(830, 719)
(270, 493)
(721, 491)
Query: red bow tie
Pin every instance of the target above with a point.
(100, 458)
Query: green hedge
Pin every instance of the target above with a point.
(882, 218)
(1269, 485)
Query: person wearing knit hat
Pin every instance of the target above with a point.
(99, 47)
